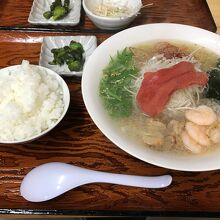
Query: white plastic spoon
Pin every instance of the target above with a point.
(50, 180)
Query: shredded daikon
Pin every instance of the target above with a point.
(107, 9)
(186, 98)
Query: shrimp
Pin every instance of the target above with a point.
(202, 115)
(190, 143)
(197, 133)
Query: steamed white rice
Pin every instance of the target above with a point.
(31, 101)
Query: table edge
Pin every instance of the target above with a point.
(105, 213)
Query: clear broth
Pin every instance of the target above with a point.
(137, 125)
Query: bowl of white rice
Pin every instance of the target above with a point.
(33, 100)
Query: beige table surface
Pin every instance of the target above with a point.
(214, 6)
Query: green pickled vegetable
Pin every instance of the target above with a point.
(58, 13)
(116, 82)
(74, 65)
(72, 57)
(77, 47)
(58, 54)
(47, 14)
(66, 5)
(58, 10)
(55, 4)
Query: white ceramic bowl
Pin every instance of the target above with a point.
(66, 99)
(111, 23)
(90, 90)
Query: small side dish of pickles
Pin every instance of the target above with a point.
(72, 55)
(58, 10)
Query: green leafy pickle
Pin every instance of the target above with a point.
(58, 10)
(73, 58)
(47, 14)
(58, 13)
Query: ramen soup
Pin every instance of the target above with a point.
(166, 95)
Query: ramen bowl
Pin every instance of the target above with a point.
(92, 75)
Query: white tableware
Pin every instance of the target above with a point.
(40, 6)
(65, 93)
(50, 180)
(112, 23)
(89, 44)
(93, 72)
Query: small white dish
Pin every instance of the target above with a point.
(112, 23)
(89, 44)
(40, 6)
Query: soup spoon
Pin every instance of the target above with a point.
(50, 180)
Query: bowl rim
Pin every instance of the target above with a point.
(65, 89)
(212, 165)
(89, 12)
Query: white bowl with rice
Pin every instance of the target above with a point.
(34, 100)
(112, 15)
